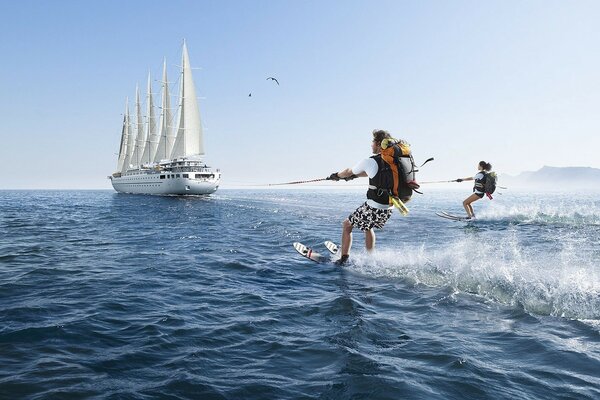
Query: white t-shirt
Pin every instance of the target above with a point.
(369, 166)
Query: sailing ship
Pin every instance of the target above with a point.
(167, 158)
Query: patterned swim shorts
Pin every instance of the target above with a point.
(366, 217)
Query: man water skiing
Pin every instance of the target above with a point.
(376, 211)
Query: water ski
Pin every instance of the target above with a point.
(313, 255)
(309, 253)
(451, 217)
(332, 247)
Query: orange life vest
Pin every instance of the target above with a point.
(396, 174)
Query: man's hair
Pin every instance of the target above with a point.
(379, 135)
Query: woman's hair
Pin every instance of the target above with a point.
(485, 165)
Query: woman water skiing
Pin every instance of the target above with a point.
(478, 188)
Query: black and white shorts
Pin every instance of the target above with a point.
(366, 217)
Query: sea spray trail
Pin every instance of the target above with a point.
(560, 213)
(110, 296)
(561, 284)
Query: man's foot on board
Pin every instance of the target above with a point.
(342, 260)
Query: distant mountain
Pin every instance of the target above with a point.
(558, 178)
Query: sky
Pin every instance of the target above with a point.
(514, 83)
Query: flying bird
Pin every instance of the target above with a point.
(276, 81)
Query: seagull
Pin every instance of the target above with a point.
(276, 81)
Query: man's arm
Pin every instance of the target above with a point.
(348, 172)
(345, 174)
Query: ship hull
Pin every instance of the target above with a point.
(160, 183)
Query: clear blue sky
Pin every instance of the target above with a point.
(516, 83)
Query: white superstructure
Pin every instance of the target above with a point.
(165, 159)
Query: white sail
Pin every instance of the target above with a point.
(140, 139)
(123, 154)
(130, 144)
(189, 139)
(151, 136)
(166, 134)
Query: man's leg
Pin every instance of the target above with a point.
(370, 239)
(346, 237)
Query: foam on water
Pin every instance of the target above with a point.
(536, 253)
(541, 211)
(562, 283)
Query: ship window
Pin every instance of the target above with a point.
(198, 176)
(186, 175)
(177, 175)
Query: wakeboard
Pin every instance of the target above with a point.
(446, 215)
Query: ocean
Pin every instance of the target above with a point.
(112, 296)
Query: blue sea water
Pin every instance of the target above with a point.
(111, 296)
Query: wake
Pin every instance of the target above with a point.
(544, 212)
(563, 282)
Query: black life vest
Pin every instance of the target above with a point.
(480, 183)
(487, 184)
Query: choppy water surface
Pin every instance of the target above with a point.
(118, 296)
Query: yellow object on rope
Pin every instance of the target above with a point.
(399, 204)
